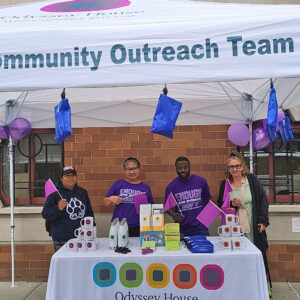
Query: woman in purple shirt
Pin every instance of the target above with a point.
(121, 192)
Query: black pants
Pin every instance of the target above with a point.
(134, 231)
(57, 245)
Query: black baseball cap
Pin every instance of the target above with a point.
(67, 170)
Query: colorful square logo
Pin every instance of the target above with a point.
(104, 274)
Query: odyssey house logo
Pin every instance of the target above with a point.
(85, 5)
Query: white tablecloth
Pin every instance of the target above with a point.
(163, 275)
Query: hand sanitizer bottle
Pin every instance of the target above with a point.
(123, 233)
(113, 235)
(117, 223)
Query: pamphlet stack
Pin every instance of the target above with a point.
(172, 237)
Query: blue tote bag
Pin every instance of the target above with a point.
(272, 116)
(286, 130)
(62, 113)
(166, 115)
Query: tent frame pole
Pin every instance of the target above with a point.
(250, 149)
(9, 116)
(12, 202)
(249, 100)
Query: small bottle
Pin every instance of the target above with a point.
(126, 225)
(123, 234)
(117, 223)
(113, 235)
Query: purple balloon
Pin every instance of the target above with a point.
(280, 117)
(257, 123)
(260, 138)
(19, 129)
(239, 134)
(4, 132)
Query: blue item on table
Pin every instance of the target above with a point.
(198, 244)
(202, 247)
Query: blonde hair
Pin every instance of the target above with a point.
(238, 156)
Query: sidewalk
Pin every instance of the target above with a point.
(37, 291)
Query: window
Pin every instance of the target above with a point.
(278, 168)
(37, 158)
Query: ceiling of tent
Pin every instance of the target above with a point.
(203, 103)
(213, 90)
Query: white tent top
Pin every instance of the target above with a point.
(114, 58)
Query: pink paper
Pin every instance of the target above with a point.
(138, 200)
(226, 202)
(209, 214)
(226, 195)
(171, 202)
(49, 188)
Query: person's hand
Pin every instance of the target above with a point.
(62, 204)
(177, 217)
(261, 228)
(116, 200)
(236, 202)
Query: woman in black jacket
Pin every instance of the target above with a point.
(247, 192)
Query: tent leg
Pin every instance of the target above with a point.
(250, 149)
(12, 202)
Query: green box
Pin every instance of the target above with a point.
(172, 245)
(172, 237)
(150, 244)
(172, 227)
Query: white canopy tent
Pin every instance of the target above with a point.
(114, 57)
(113, 61)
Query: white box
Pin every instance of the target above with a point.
(158, 222)
(157, 208)
(145, 209)
(145, 217)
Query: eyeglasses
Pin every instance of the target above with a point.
(131, 169)
(232, 167)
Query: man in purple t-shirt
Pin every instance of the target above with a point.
(191, 193)
(121, 192)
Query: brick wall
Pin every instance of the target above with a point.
(284, 262)
(98, 154)
(31, 262)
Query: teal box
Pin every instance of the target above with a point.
(157, 236)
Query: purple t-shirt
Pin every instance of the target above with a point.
(191, 196)
(126, 209)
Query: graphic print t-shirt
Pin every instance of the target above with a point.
(191, 196)
(126, 209)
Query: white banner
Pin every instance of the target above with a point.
(163, 275)
(120, 43)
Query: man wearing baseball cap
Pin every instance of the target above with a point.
(66, 207)
(68, 170)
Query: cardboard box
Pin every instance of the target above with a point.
(158, 222)
(157, 209)
(172, 245)
(145, 209)
(145, 217)
(145, 223)
(172, 227)
(172, 237)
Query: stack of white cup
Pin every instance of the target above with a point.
(231, 234)
(85, 236)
